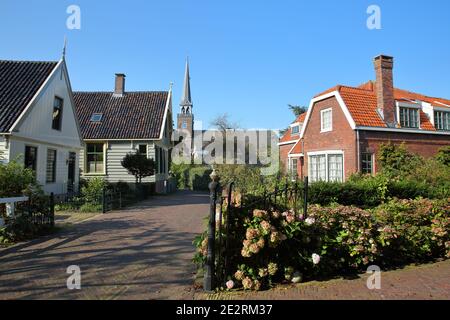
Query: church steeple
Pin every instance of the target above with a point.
(186, 100)
(185, 119)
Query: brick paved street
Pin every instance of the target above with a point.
(144, 252)
(429, 281)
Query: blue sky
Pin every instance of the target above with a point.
(248, 58)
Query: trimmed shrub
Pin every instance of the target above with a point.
(193, 177)
(199, 178)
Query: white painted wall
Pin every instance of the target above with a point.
(17, 151)
(115, 152)
(37, 122)
(4, 152)
(34, 128)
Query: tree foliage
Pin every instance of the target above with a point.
(15, 180)
(443, 156)
(223, 123)
(139, 166)
(396, 160)
(297, 110)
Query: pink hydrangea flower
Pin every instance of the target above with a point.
(239, 275)
(315, 258)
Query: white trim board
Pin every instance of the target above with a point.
(341, 103)
(404, 130)
(166, 111)
(288, 142)
(35, 97)
(327, 153)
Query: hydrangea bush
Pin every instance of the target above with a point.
(280, 246)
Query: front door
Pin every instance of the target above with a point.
(71, 172)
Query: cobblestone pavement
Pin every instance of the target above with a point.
(429, 281)
(143, 252)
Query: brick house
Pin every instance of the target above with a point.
(344, 127)
(290, 147)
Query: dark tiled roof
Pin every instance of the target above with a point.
(135, 115)
(19, 82)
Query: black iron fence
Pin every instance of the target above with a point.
(225, 210)
(115, 199)
(39, 211)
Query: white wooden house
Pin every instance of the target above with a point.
(38, 122)
(120, 122)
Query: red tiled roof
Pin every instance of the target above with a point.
(361, 102)
(362, 105)
(288, 134)
(297, 149)
(301, 118)
(288, 137)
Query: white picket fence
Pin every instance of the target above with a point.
(11, 206)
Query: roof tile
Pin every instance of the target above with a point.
(135, 115)
(19, 82)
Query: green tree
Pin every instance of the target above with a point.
(396, 160)
(297, 110)
(139, 166)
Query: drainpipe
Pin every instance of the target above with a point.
(304, 155)
(358, 156)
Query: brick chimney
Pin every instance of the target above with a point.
(120, 84)
(385, 88)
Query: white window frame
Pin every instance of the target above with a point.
(443, 112)
(291, 172)
(322, 112)
(298, 130)
(326, 153)
(85, 160)
(372, 161)
(409, 106)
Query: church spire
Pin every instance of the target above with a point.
(64, 48)
(186, 100)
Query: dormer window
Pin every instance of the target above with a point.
(96, 117)
(442, 120)
(409, 117)
(295, 129)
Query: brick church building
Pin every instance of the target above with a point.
(342, 131)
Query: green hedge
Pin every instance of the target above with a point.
(192, 177)
(370, 192)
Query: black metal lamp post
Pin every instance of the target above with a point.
(209, 278)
